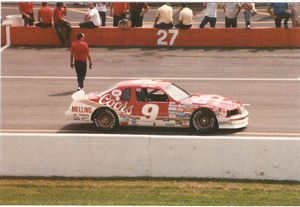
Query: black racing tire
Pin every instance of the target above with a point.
(105, 119)
(203, 120)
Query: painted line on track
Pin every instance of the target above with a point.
(152, 78)
(45, 132)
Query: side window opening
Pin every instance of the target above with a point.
(126, 94)
(150, 94)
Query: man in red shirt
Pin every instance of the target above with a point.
(118, 11)
(26, 9)
(44, 16)
(62, 25)
(79, 53)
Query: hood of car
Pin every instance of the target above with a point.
(211, 101)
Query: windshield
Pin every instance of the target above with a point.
(176, 92)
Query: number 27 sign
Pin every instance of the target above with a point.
(162, 37)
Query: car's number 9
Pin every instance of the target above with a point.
(150, 112)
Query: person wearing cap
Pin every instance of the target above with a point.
(79, 53)
(164, 17)
(92, 18)
(185, 17)
(26, 9)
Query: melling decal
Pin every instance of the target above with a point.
(108, 100)
(80, 109)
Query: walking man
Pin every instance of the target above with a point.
(278, 12)
(79, 53)
(232, 11)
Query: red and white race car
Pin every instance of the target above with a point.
(159, 104)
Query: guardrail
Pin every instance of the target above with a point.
(105, 155)
(152, 37)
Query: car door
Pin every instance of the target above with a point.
(151, 107)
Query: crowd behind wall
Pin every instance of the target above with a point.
(126, 15)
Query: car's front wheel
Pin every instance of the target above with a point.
(203, 120)
(105, 119)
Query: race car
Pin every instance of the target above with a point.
(156, 103)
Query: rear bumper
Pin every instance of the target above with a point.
(235, 122)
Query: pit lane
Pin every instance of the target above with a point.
(36, 85)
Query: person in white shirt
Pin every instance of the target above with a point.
(101, 7)
(164, 17)
(295, 11)
(211, 15)
(185, 17)
(249, 11)
(92, 18)
(232, 11)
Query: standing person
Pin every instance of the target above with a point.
(295, 9)
(211, 15)
(44, 16)
(118, 11)
(185, 17)
(62, 25)
(26, 9)
(101, 6)
(249, 11)
(232, 11)
(278, 12)
(137, 11)
(79, 53)
(164, 17)
(92, 18)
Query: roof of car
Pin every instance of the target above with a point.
(144, 83)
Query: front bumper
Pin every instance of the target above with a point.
(235, 122)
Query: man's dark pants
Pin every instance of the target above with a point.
(136, 19)
(80, 67)
(103, 18)
(230, 22)
(183, 26)
(28, 21)
(280, 17)
(43, 25)
(164, 26)
(63, 31)
(87, 25)
(118, 18)
(212, 22)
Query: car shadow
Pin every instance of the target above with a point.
(89, 128)
(67, 93)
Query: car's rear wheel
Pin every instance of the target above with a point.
(105, 119)
(203, 120)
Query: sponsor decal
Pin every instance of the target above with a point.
(107, 100)
(81, 109)
(116, 93)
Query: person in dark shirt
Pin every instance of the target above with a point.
(137, 11)
(278, 12)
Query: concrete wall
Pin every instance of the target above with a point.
(152, 37)
(155, 156)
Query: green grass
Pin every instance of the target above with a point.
(145, 191)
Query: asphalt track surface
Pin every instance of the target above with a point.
(76, 15)
(36, 84)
